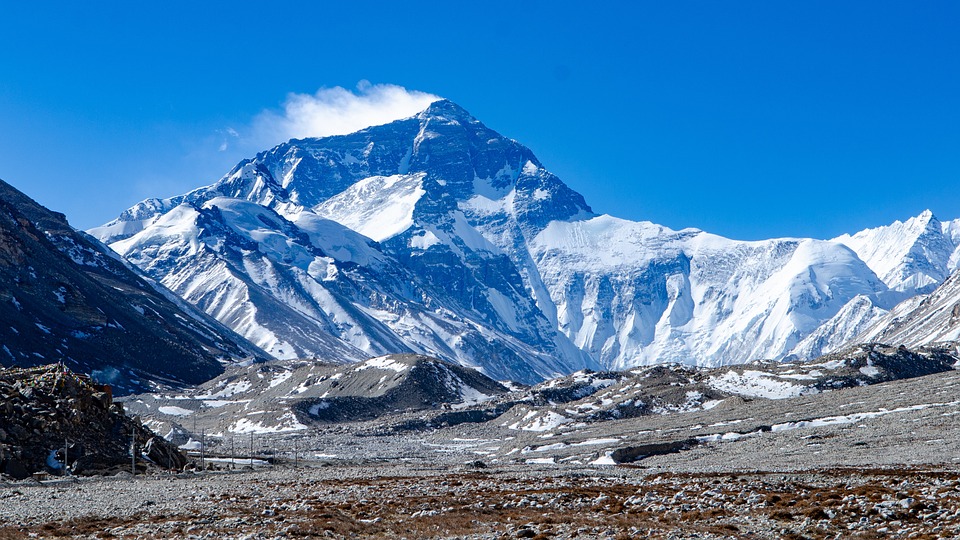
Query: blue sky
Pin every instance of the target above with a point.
(746, 119)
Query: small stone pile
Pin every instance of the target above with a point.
(50, 415)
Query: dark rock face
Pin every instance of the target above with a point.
(636, 453)
(42, 409)
(872, 363)
(64, 297)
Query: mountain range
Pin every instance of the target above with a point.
(436, 235)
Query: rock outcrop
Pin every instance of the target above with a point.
(48, 409)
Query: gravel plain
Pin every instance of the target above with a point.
(409, 501)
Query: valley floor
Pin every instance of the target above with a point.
(405, 500)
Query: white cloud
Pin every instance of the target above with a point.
(224, 133)
(338, 111)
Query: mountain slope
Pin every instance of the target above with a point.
(66, 298)
(455, 241)
(921, 320)
(911, 257)
(275, 282)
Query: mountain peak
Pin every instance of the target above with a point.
(927, 219)
(445, 108)
(924, 225)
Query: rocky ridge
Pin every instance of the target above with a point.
(924, 319)
(295, 396)
(407, 393)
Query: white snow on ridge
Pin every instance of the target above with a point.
(335, 240)
(263, 226)
(639, 294)
(606, 241)
(180, 223)
(383, 362)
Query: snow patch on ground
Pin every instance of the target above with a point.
(175, 411)
(286, 423)
(757, 384)
(534, 421)
(230, 389)
(280, 378)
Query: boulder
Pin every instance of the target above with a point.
(164, 454)
(15, 469)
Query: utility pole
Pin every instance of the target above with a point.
(251, 449)
(233, 453)
(66, 457)
(133, 454)
(296, 455)
(201, 450)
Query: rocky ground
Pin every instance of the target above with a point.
(403, 500)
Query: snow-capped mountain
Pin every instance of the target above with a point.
(911, 257)
(436, 235)
(914, 256)
(64, 297)
(266, 257)
(639, 294)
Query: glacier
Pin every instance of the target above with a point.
(437, 235)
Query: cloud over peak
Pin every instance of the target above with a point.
(338, 111)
